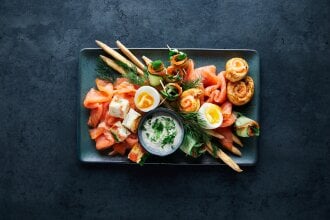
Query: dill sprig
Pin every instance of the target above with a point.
(191, 84)
(103, 71)
(106, 73)
(193, 124)
(132, 75)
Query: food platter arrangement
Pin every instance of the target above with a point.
(157, 107)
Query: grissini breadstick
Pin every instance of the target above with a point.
(117, 55)
(113, 64)
(232, 148)
(237, 141)
(214, 134)
(130, 55)
(146, 60)
(224, 157)
(235, 151)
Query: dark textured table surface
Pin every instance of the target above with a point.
(40, 175)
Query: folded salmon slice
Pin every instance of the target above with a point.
(208, 74)
(217, 93)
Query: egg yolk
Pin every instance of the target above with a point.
(213, 114)
(145, 100)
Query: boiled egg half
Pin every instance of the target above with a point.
(211, 114)
(146, 98)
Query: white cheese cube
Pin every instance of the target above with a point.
(118, 107)
(131, 120)
(119, 132)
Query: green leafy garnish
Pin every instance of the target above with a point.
(136, 79)
(106, 73)
(191, 84)
(157, 65)
(103, 71)
(181, 56)
(143, 159)
(172, 52)
(194, 124)
(132, 75)
(170, 92)
(173, 78)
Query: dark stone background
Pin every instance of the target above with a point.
(40, 172)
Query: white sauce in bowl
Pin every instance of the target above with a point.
(161, 134)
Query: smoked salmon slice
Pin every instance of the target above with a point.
(93, 97)
(110, 120)
(105, 107)
(96, 132)
(227, 141)
(217, 93)
(208, 74)
(103, 143)
(228, 121)
(190, 72)
(226, 109)
(95, 115)
(120, 148)
(119, 81)
(125, 88)
(105, 87)
(131, 140)
(228, 117)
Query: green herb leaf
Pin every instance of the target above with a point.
(103, 71)
(172, 52)
(143, 159)
(157, 64)
(181, 56)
